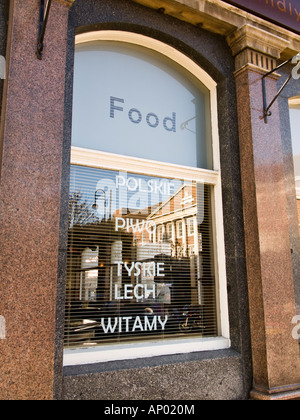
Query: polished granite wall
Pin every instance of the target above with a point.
(30, 191)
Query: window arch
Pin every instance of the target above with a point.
(145, 160)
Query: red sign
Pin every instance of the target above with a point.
(282, 12)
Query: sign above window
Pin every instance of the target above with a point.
(282, 12)
(133, 101)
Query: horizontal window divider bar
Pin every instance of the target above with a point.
(110, 161)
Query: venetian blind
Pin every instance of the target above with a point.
(294, 104)
(140, 259)
(141, 263)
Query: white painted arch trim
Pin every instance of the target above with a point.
(152, 44)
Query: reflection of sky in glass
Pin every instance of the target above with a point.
(149, 85)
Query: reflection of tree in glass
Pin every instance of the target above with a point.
(80, 211)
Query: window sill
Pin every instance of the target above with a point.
(75, 357)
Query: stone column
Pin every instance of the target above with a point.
(30, 191)
(276, 362)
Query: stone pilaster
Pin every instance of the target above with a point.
(30, 201)
(276, 362)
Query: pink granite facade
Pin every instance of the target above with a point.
(32, 119)
(276, 363)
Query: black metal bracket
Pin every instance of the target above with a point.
(44, 15)
(267, 112)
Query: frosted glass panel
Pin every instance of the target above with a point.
(131, 101)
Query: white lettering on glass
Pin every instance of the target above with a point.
(140, 291)
(126, 324)
(134, 226)
(152, 185)
(151, 269)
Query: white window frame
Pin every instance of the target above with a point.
(169, 231)
(96, 159)
(160, 233)
(191, 226)
(294, 103)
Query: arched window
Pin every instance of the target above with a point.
(145, 162)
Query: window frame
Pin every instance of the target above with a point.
(179, 227)
(104, 160)
(294, 103)
(191, 226)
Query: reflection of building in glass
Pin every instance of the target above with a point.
(173, 224)
(148, 264)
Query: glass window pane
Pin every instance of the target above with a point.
(135, 271)
(132, 101)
